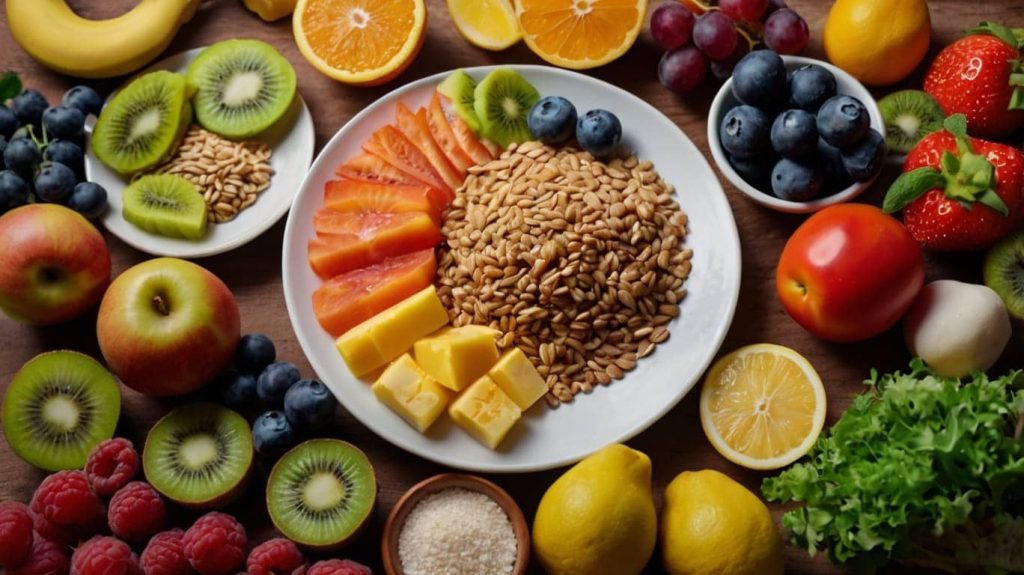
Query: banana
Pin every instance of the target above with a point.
(64, 41)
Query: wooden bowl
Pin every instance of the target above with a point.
(429, 486)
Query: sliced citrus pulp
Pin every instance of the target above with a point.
(487, 24)
(390, 145)
(345, 301)
(356, 196)
(360, 42)
(580, 34)
(465, 135)
(443, 134)
(414, 127)
(762, 406)
(346, 242)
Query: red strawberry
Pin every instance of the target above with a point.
(958, 193)
(979, 76)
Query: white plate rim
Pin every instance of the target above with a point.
(718, 337)
(200, 249)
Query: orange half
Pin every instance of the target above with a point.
(360, 42)
(580, 34)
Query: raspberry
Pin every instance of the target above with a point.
(339, 567)
(274, 557)
(111, 465)
(165, 555)
(104, 556)
(300, 570)
(136, 512)
(15, 533)
(59, 534)
(65, 498)
(46, 558)
(215, 544)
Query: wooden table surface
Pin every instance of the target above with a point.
(675, 443)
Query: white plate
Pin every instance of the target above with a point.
(545, 438)
(292, 140)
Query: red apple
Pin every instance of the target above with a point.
(167, 327)
(54, 265)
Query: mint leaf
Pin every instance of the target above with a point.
(10, 86)
(910, 186)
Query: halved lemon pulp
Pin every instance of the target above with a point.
(762, 406)
(488, 24)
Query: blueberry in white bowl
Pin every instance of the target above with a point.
(745, 131)
(759, 79)
(833, 172)
(552, 120)
(864, 159)
(811, 86)
(795, 181)
(843, 121)
(795, 134)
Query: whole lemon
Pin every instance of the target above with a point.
(598, 518)
(879, 42)
(712, 525)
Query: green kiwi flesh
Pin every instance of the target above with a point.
(199, 455)
(242, 87)
(58, 407)
(143, 123)
(502, 101)
(460, 88)
(167, 205)
(321, 493)
(1004, 272)
(909, 116)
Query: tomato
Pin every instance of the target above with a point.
(849, 272)
(348, 300)
(349, 241)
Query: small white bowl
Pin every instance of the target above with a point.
(725, 101)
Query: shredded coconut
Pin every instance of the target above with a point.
(457, 532)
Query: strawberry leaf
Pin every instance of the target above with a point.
(10, 86)
(998, 30)
(1017, 82)
(991, 199)
(910, 186)
(956, 125)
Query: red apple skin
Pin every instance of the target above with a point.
(54, 264)
(167, 327)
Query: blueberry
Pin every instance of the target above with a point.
(744, 131)
(759, 79)
(275, 380)
(599, 132)
(833, 173)
(85, 99)
(54, 182)
(552, 120)
(795, 182)
(3, 146)
(8, 122)
(795, 134)
(755, 171)
(28, 106)
(14, 191)
(238, 390)
(309, 405)
(63, 122)
(22, 155)
(66, 152)
(843, 121)
(864, 160)
(255, 352)
(272, 435)
(90, 200)
(810, 86)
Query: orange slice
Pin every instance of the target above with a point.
(360, 42)
(580, 34)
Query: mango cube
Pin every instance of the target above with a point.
(485, 412)
(411, 393)
(456, 357)
(518, 378)
(392, 332)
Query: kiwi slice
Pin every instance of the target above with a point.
(502, 101)
(58, 407)
(242, 87)
(199, 455)
(167, 205)
(143, 123)
(909, 116)
(1004, 272)
(321, 493)
(460, 87)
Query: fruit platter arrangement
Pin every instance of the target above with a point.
(342, 287)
